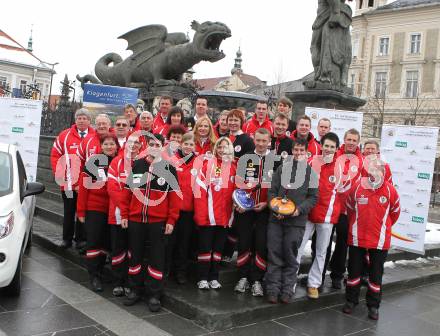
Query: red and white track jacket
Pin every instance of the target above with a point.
(371, 214)
(352, 167)
(117, 175)
(213, 194)
(184, 167)
(313, 147)
(388, 175)
(203, 148)
(89, 146)
(158, 123)
(328, 206)
(252, 125)
(151, 193)
(64, 154)
(92, 194)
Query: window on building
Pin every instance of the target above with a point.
(409, 121)
(370, 3)
(23, 84)
(3, 82)
(384, 44)
(355, 48)
(380, 84)
(412, 84)
(415, 41)
(376, 127)
(361, 2)
(352, 80)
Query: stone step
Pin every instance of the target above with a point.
(49, 209)
(53, 195)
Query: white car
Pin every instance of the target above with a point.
(17, 205)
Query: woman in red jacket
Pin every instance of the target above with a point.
(204, 136)
(213, 211)
(179, 243)
(175, 118)
(117, 175)
(92, 206)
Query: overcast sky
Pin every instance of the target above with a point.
(274, 35)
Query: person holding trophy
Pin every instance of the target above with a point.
(254, 173)
(293, 193)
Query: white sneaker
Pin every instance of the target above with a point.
(226, 259)
(214, 284)
(294, 288)
(203, 284)
(257, 289)
(242, 285)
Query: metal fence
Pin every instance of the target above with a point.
(54, 121)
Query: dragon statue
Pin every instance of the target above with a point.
(158, 56)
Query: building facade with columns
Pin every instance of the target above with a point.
(396, 62)
(20, 68)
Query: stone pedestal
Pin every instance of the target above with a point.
(324, 99)
(177, 92)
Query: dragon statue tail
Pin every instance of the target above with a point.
(87, 79)
(102, 69)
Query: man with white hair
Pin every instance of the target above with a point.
(65, 166)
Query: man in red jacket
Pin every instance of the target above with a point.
(259, 120)
(66, 169)
(303, 126)
(326, 211)
(351, 161)
(373, 208)
(130, 113)
(371, 147)
(165, 103)
(150, 208)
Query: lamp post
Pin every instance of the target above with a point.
(51, 78)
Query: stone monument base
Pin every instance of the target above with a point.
(324, 99)
(175, 91)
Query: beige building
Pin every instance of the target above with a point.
(396, 62)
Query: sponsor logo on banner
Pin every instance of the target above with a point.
(401, 144)
(17, 129)
(428, 162)
(4, 136)
(19, 116)
(31, 138)
(391, 133)
(424, 176)
(417, 219)
(413, 152)
(427, 147)
(314, 115)
(32, 124)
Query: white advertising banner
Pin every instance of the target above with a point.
(20, 121)
(341, 120)
(410, 152)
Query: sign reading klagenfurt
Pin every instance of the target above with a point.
(410, 151)
(341, 120)
(20, 126)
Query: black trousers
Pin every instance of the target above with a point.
(211, 243)
(71, 225)
(97, 241)
(231, 240)
(252, 244)
(339, 257)
(327, 256)
(119, 247)
(375, 272)
(179, 242)
(153, 272)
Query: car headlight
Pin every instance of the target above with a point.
(6, 224)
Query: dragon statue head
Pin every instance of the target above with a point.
(207, 39)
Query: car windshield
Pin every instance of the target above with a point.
(5, 174)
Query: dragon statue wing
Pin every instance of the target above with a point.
(145, 42)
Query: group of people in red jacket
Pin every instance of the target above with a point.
(155, 193)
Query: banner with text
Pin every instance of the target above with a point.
(20, 126)
(410, 152)
(108, 99)
(341, 120)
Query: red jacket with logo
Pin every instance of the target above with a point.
(371, 214)
(351, 169)
(89, 146)
(252, 125)
(184, 166)
(313, 147)
(328, 206)
(117, 176)
(204, 148)
(92, 194)
(151, 193)
(158, 123)
(213, 194)
(388, 175)
(65, 148)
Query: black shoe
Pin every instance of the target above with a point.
(65, 244)
(96, 284)
(337, 283)
(286, 298)
(154, 305)
(80, 245)
(373, 313)
(181, 278)
(132, 298)
(364, 280)
(303, 281)
(272, 298)
(348, 308)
